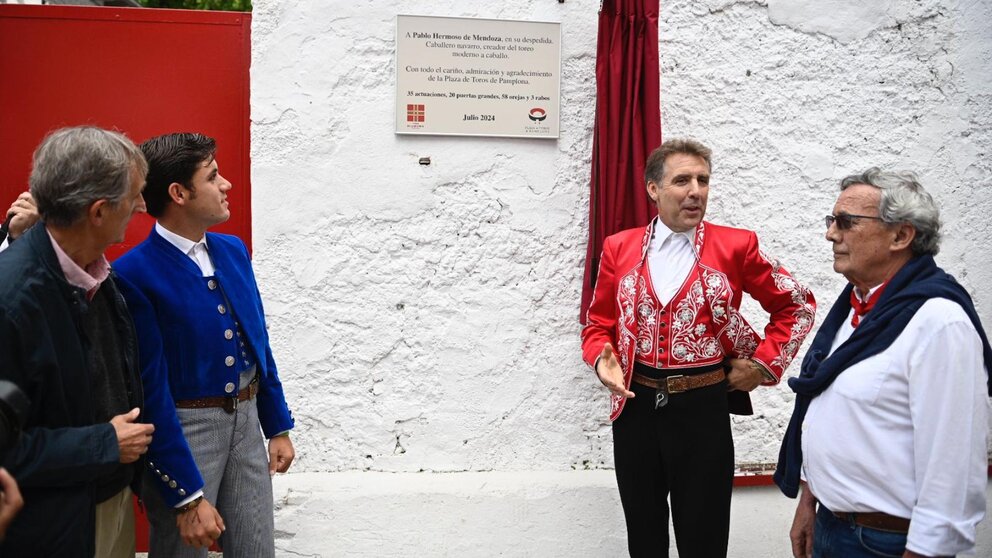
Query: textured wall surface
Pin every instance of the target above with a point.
(425, 317)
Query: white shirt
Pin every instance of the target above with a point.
(904, 432)
(670, 259)
(197, 251)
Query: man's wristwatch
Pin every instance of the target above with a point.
(189, 505)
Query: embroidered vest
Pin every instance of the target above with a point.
(679, 334)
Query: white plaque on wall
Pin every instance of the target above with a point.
(477, 77)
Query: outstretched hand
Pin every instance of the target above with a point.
(609, 372)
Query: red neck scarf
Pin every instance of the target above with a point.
(862, 308)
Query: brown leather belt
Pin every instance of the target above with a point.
(679, 383)
(229, 404)
(876, 520)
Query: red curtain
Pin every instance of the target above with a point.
(628, 125)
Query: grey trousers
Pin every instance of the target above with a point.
(230, 452)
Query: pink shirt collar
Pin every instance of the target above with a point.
(88, 279)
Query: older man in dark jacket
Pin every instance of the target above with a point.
(67, 340)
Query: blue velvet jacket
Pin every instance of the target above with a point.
(185, 344)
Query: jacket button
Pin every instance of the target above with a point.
(165, 478)
(182, 492)
(221, 309)
(172, 484)
(211, 284)
(229, 387)
(229, 361)
(663, 324)
(228, 334)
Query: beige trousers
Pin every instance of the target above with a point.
(115, 526)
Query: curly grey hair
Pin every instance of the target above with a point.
(904, 200)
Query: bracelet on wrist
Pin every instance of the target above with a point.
(189, 505)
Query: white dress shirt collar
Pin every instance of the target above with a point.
(662, 234)
(871, 291)
(846, 330)
(670, 259)
(197, 251)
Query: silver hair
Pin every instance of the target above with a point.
(904, 200)
(74, 167)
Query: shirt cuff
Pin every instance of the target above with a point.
(283, 433)
(191, 497)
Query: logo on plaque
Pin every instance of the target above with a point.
(538, 114)
(415, 113)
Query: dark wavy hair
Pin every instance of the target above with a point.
(173, 158)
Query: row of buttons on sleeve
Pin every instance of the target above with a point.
(165, 478)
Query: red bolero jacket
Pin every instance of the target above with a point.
(705, 323)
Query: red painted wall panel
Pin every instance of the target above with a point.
(144, 72)
(141, 71)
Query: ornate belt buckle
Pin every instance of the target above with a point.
(668, 383)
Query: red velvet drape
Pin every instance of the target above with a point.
(628, 125)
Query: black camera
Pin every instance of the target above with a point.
(13, 411)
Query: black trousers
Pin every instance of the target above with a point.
(684, 451)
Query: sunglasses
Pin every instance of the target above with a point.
(845, 221)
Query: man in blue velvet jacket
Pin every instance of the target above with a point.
(206, 365)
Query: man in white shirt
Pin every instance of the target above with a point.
(889, 432)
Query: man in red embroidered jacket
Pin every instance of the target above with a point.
(665, 336)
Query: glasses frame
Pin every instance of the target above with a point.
(845, 221)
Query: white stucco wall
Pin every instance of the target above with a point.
(425, 318)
